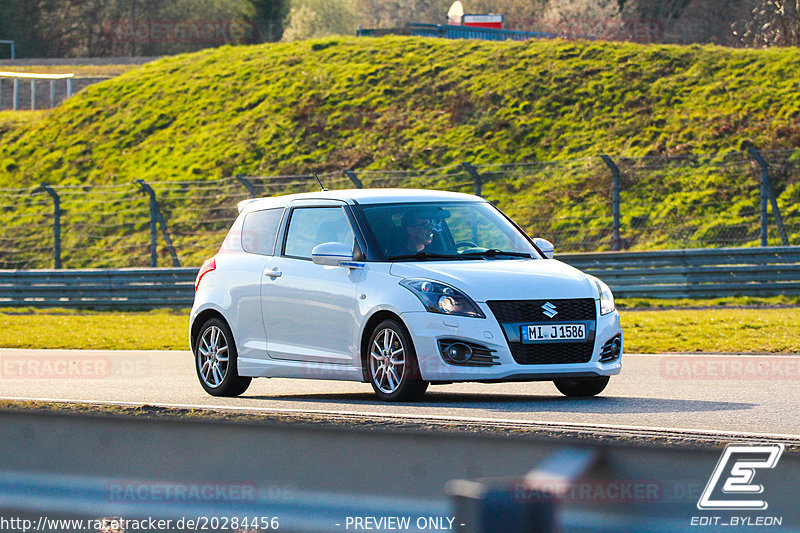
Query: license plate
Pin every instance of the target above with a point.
(553, 332)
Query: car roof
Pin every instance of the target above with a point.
(361, 196)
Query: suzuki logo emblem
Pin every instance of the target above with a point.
(549, 310)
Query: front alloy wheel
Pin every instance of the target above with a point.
(393, 370)
(215, 355)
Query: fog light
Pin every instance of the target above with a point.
(616, 347)
(459, 352)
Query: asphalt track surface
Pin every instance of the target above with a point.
(735, 394)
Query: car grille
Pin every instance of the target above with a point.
(531, 310)
(523, 311)
(551, 354)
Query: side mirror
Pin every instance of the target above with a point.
(545, 246)
(331, 254)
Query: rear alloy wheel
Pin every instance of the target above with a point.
(215, 357)
(393, 370)
(582, 386)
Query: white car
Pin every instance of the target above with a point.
(400, 288)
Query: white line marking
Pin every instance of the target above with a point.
(411, 416)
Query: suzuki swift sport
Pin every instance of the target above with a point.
(399, 288)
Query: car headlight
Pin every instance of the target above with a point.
(438, 297)
(606, 297)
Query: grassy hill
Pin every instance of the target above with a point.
(408, 103)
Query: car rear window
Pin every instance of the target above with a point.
(260, 230)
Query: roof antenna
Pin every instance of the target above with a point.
(320, 182)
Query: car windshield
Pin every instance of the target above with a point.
(445, 231)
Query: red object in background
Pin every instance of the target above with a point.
(483, 21)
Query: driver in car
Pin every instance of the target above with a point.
(419, 232)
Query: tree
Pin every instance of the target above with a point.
(522, 15)
(396, 13)
(269, 17)
(581, 19)
(309, 19)
(770, 23)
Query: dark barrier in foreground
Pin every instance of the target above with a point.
(311, 480)
(704, 273)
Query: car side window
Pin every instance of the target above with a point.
(310, 226)
(260, 230)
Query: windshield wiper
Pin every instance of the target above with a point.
(421, 256)
(494, 252)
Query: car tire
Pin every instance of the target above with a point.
(392, 364)
(216, 360)
(582, 386)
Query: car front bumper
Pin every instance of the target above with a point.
(428, 328)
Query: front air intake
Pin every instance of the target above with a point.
(611, 349)
(464, 353)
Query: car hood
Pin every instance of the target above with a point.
(505, 279)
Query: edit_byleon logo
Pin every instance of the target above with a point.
(731, 486)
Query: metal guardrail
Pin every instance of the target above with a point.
(313, 478)
(116, 288)
(697, 273)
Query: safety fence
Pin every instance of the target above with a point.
(33, 79)
(712, 273)
(739, 199)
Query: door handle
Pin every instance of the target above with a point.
(273, 273)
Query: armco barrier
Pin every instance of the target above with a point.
(695, 273)
(313, 478)
(116, 288)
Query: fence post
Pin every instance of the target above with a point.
(16, 94)
(615, 238)
(52, 94)
(768, 193)
(155, 217)
(352, 175)
(248, 185)
(475, 177)
(33, 95)
(56, 222)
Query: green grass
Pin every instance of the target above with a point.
(649, 331)
(405, 103)
(158, 330)
(710, 303)
(712, 330)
